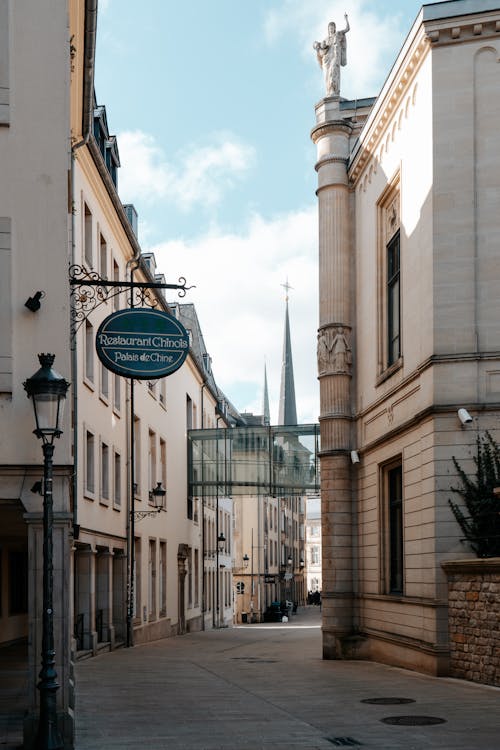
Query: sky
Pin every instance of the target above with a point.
(212, 104)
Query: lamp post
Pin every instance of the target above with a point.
(289, 563)
(221, 541)
(47, 390)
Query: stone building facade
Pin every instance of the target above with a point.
(408, 329)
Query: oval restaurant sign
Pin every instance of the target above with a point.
(141, 343)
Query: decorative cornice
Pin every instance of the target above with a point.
(389, 106)
(432, 33)
(462, 29)
(331, 126)
(330, 159)
(434, 359)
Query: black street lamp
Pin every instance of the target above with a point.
(47, 390)
(157, 499)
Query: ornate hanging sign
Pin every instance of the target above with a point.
(142, 344)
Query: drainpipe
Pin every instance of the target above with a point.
(132, 264)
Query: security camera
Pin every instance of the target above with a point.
(464, 416)
(355, 457)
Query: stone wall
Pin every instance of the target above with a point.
(474, 619)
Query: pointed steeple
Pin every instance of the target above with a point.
(287, 408)
(265, 401)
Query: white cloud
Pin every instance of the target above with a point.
(241, 308)
(372, 38)
(199, 176)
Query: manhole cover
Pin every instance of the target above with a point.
(343, 741)
(413, 721)
(387, 701)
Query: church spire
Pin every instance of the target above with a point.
(287, 408)
(265, 401)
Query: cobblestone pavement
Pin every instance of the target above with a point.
(266, 686)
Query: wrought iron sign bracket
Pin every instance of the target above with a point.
(140, 514)
(89, 291)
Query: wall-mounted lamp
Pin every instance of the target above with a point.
(33, 303)
(464, 416)
(37, 488)
(354, 457)
(246, 560)
(157, 499)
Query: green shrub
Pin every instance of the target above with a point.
(480, 518)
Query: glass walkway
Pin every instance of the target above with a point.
(277, 461)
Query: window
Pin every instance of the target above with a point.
(89, 351)
(104, 471)
(314, 555)
(152, 579)
(163, 578)
(163, 391)
(190, 578)
(137, 578)
(389, 280)
(103, 257)
(393, 302)
(4, 62)
(117, 487)
(104, 382)
(196, 578)
(6, 327)
(117, 393)
(89, 462)
(87, 235)
(152, 461)
(137, 456)
(116, 277)
(394, 493)
(163, 463)
(189, 413)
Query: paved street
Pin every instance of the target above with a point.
(266, 686)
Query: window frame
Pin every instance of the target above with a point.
(393, 542)
(89, 358)
(117, 475)
(104, 469)
(393, 299)
(89, 491)
(389, 235)
(87, 235)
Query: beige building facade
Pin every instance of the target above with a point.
(124, 573)
(409, 271)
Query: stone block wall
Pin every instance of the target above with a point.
(474, 619)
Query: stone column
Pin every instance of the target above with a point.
(331, 136)
(104, 594)
(85, 595)
(119, 596)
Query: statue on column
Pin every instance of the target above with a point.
(331, 54)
